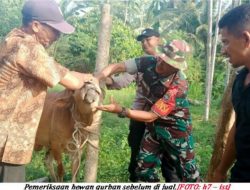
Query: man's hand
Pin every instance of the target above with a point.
(113, 107)
(108, 81)
(75, 80)
(88, 77)
(100, 76)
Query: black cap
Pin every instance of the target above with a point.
(148, 32)
(48, 12)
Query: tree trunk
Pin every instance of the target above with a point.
(228, 71)
(225, 123)
(92, 152)
(102, 59)
(214, 49)
(126, 12)
(104, 39)
(208, 67)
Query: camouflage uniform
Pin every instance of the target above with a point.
(170, 135)
(137, 128)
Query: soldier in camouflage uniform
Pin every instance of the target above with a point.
(149, 39)
(169, 126)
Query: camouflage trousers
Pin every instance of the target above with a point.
(157, 142)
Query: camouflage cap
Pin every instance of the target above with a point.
(174, 53)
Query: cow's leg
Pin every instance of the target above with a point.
(49, 164)
(58, 157)
(75, 164)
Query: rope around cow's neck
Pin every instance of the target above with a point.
(80, 129)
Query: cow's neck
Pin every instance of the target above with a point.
(82, 115)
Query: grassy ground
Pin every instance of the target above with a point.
(114, 150)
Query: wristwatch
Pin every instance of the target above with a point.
(123, 113)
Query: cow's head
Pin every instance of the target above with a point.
(82, 102)
(89, 96)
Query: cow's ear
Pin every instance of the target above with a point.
(80, 94)
(65, 98)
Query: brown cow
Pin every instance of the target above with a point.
(68, 118)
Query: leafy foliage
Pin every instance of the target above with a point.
(10, 15)
(123, 44)
(78, 51)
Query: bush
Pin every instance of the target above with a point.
(78, 51)
(10, 14)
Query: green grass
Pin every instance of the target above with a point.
(114, 150)
(204, 133)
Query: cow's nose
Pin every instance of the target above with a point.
(91, 96)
